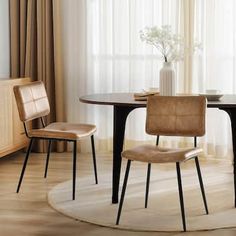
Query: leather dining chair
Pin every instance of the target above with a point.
(170, 116)
(32, 103)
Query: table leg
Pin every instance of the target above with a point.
(120, 116)
(232, 114)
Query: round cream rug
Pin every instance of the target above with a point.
(93, 202)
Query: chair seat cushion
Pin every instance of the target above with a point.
(155, 154)
(63, 130)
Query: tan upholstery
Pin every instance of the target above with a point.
(171, 116)
(155, 154)
(32, 101)
(64, 130)
(176, 116)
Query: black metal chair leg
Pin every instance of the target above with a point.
(74, 169)
(157, 140)
(24, 165)
(48, 155)
(200, 178)
(181, 199)
(94, 159)
(201, 184)
(147, 184)
(123, 191)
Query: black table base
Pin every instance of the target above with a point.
(120, 116)
(232, 114)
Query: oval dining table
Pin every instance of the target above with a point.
(124, 103)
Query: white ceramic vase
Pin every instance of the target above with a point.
(167, 80)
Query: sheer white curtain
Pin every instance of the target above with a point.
(118, 60)
(215, 67)
(103, 53)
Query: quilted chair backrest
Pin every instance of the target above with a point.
(32, 100)
(176, 115)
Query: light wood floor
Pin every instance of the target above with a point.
(28, 212)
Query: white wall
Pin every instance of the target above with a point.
(4, 39)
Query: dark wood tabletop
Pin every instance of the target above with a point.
(124, 99)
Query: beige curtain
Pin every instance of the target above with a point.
(35, 50)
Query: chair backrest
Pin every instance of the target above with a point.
(31, 100)
(176, 115)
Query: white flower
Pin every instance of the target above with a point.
(170, 45)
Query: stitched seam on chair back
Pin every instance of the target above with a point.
(176, 116)
(32, 101)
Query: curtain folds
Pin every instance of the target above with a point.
(103, 53)
(215, 67)
(35, 50)
(187, 30)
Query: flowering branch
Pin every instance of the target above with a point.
(171, 46)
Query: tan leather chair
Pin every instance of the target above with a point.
(170, 116)
(32, 103)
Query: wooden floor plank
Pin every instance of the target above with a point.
(28, 212)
